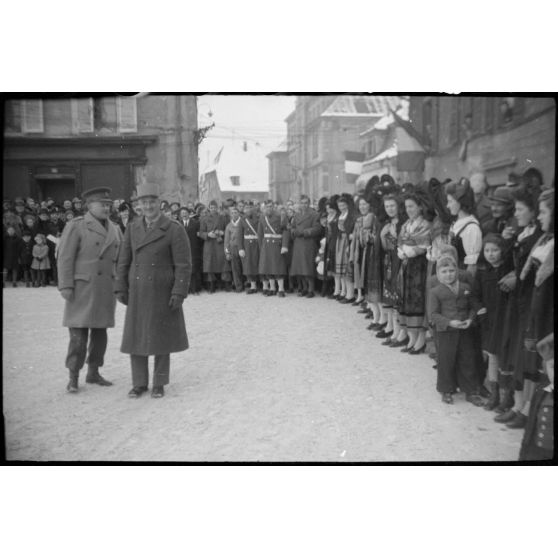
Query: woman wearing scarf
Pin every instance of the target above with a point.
(413, 241)
(518, 368)
(344, 286)
(359, 251)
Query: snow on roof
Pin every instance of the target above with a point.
(389, 153)
(362, 105)
(240, 167)
(386, 121)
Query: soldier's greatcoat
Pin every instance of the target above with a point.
(305, 229)
(153, 265)
(250, 243)
(273, 235)
(87, 255)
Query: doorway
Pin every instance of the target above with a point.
(59, 189)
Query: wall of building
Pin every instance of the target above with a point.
(162, 150)
(496, 147)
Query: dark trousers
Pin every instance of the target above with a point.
(78, 349)
(140, 370)
(236, 265)
(456, 361)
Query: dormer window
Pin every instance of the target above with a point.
(235, 180)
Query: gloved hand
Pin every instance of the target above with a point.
(284, 250)
(175, 302)
(67, 294)
(242, 253)
(122, 298)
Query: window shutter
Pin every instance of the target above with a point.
(127, 114)
(82, 115)
(33, 116)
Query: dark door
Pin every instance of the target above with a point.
(58, 189)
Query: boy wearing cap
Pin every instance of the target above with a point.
(153, 275)
(87, 254)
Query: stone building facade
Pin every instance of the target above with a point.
(59, 147)
(495, 135)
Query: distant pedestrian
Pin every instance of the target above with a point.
(26, 256)
(11, 250)
(41, 262)
(232, 233)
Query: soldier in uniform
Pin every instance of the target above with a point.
(274, 240)
(305, 229)
(249, 246)
(153, 276)
(87, 254)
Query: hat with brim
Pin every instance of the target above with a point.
(148, 190)
(502, 194)
(96, 195)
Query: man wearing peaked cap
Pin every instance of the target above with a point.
(153, 275)
(87, 255)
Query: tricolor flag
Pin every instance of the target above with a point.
(353, 165)
(410, 150)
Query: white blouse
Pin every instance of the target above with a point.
(471, 237)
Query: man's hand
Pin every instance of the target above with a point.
(67, 294)
(456, 324)
(211, 235)
(122, 298)
(508, 282)
(175, 302)
(242, 253)
(466, 324)
(284, 250)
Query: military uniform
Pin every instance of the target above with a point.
(273, 235)
(249, 242)
(87, 255)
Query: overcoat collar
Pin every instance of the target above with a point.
(109, 234)
(143, 237)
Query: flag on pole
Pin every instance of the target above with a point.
(410, 150)
(218, 156)
(353, 165)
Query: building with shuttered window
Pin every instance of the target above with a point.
(59, 147)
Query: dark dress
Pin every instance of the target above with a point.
(331, 232)
(373, 269)
(390, 264)
(12, 248)
(487, 294)
(192, 227)
(513, 356)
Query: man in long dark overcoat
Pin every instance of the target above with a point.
(212, 231)
(305, 230)
(153, 276)
(87, 255)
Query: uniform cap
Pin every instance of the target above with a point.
(96, 194)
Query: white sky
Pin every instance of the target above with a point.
(255, 118)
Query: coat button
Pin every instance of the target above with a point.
(96, 244)
(100, 257)
(99, 272)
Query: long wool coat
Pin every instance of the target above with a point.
(305, 230)
(87, 256)
(250, 243)
(273, 235)
(152, 266)
(213, 248)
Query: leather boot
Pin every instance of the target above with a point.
(494, 398)
(72, 386)
(506, 401)
(93, 376)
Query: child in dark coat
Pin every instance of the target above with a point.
(41, 263)
(11, 254)
(492, 302)
(452, 312)
(26, 256)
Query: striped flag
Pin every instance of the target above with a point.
(410, 150)
(353, 165)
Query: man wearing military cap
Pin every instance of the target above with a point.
(87, 255)
(153, 275)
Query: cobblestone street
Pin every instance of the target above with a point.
(258, 384)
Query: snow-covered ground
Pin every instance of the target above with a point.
(265, 379)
